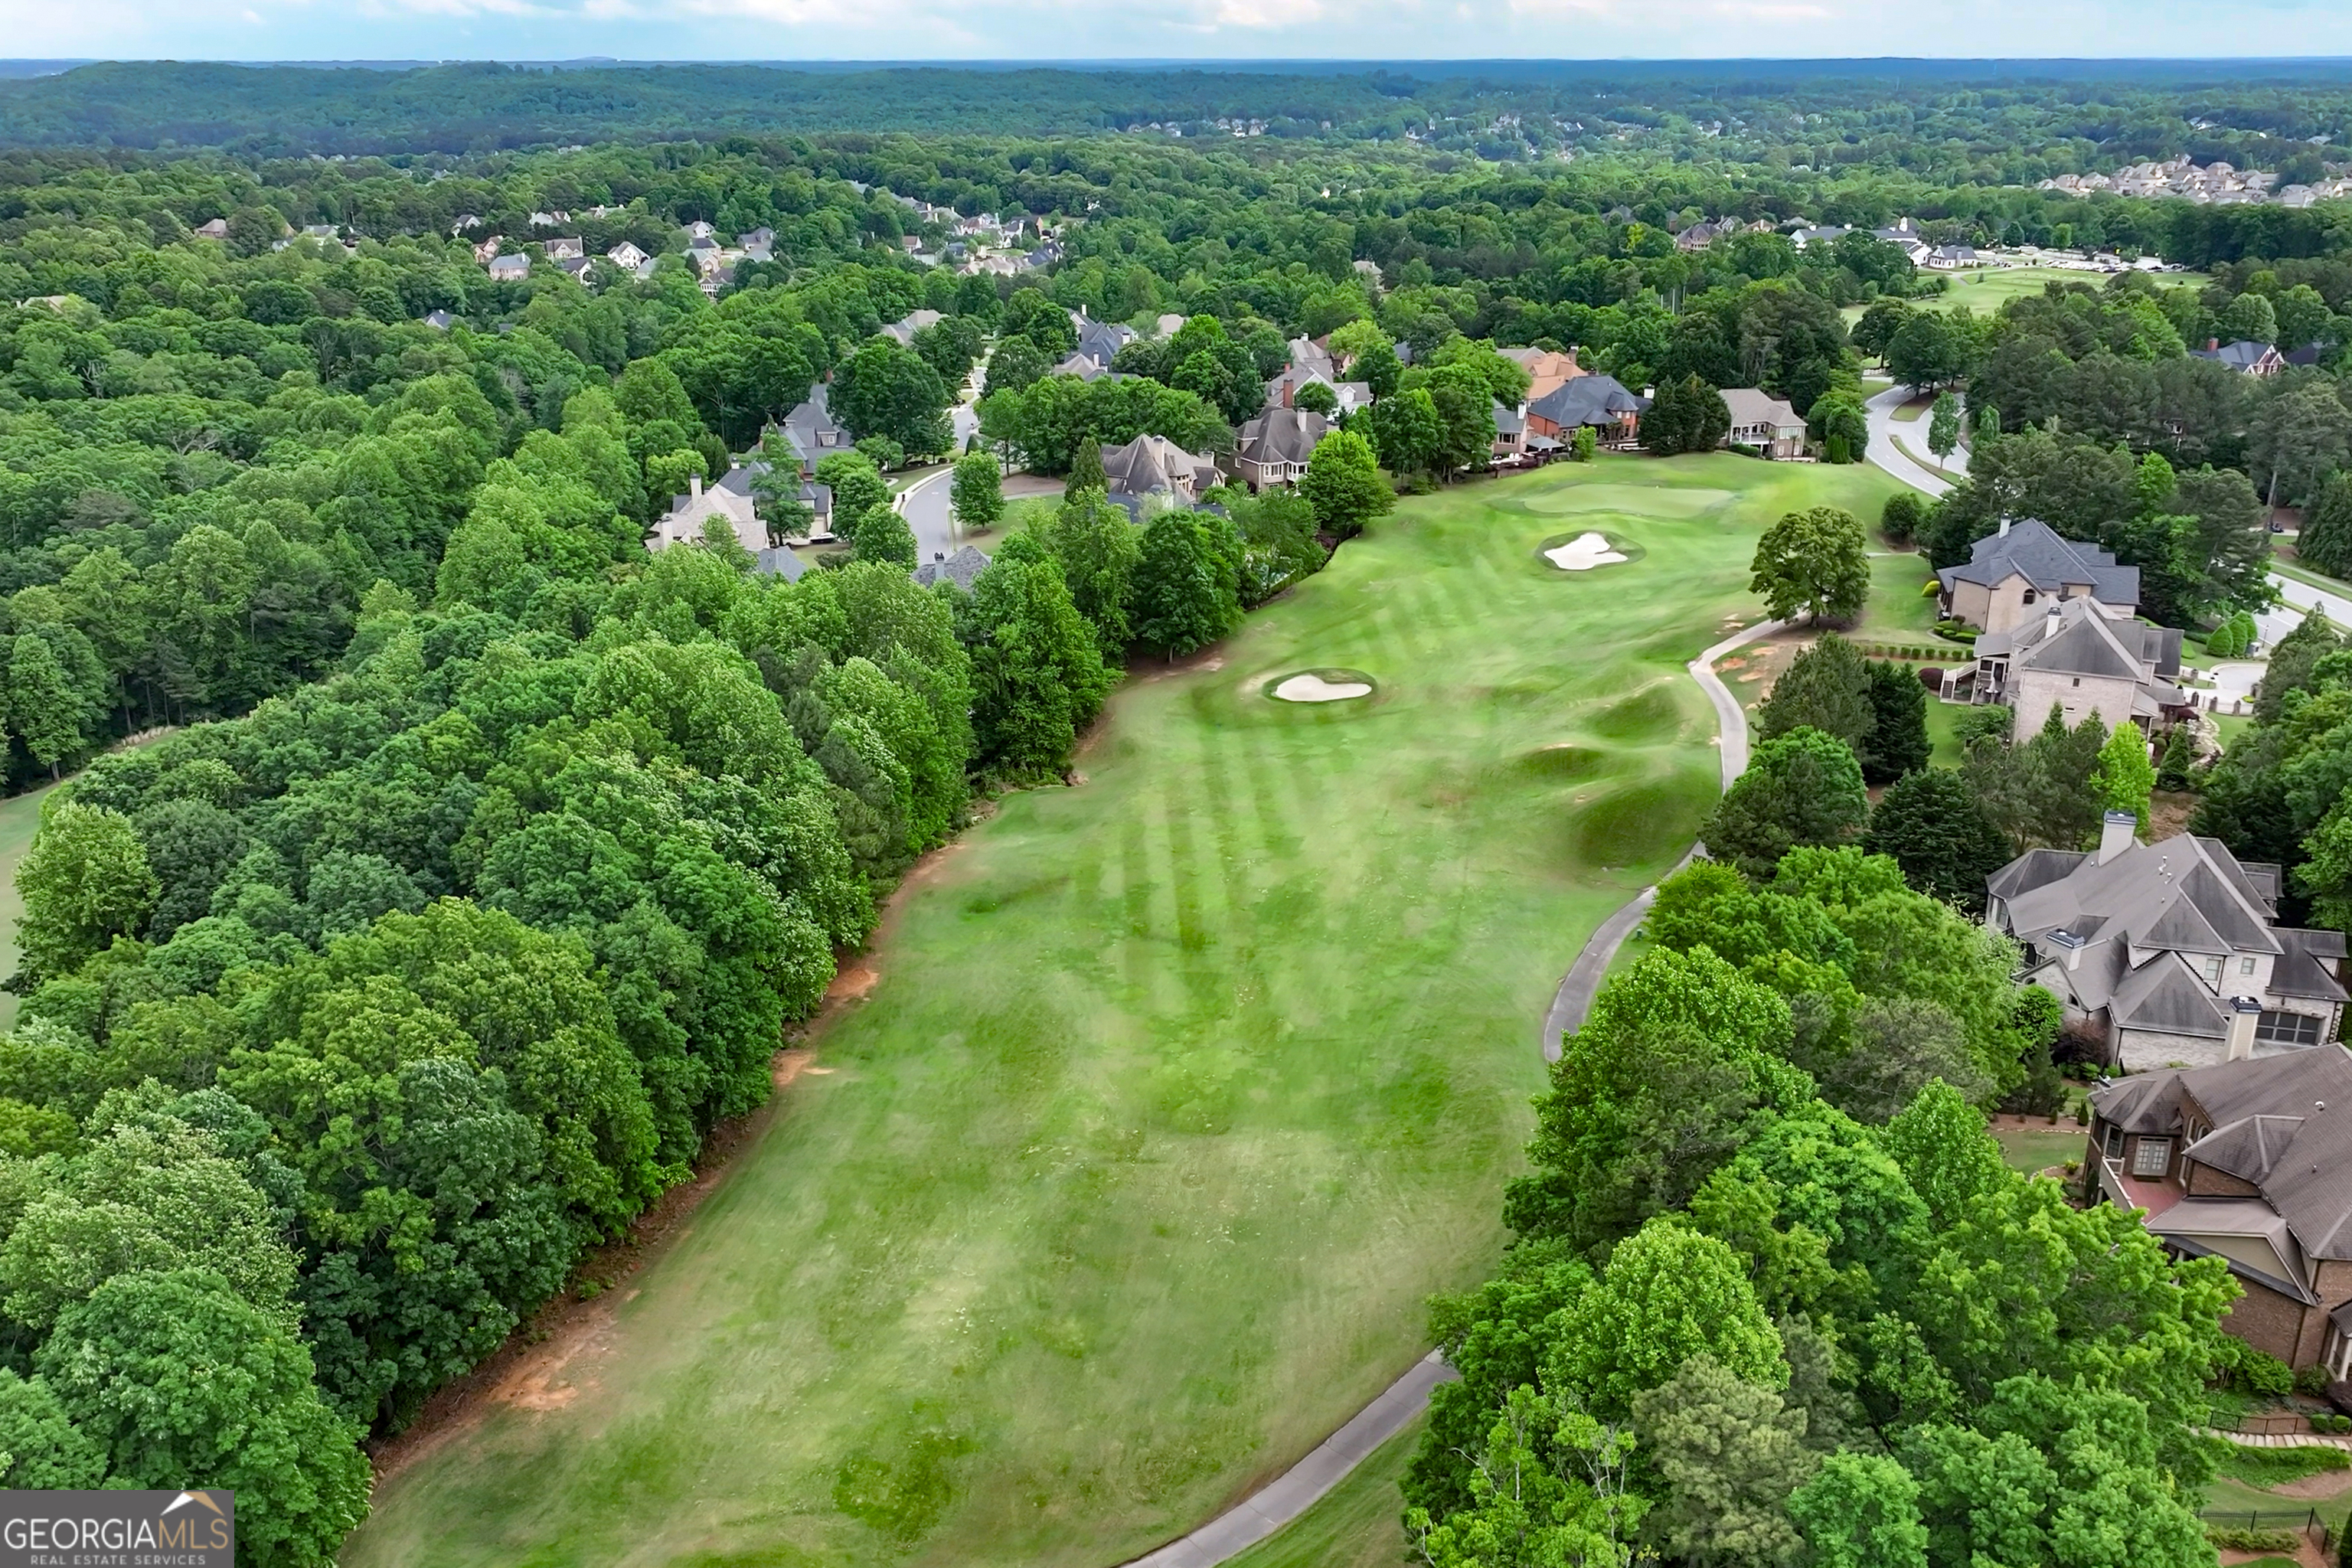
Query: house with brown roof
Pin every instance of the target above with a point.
(1154, 465)
(1546, 368)
(2250, 1162)
(2168, 954)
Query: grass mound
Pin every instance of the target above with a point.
(1651, 714)
(1644, 822)
(1564, 763)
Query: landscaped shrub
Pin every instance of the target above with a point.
(2258, 1371)
(2313, 1380)
(2276, 1466)
(2240, 1540)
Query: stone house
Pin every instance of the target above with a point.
(2168, 954)
(2010, 575)
(1154, 465)
(2083, 660)
(730, 499)
(1274, 447)
(2252, 1162)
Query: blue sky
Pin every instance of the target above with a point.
(1203, 29)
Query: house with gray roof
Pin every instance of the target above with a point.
(963, 569)
(2245, 358)
(2009, 576)
(2083, 660)
(1154, 465)
(1347, 396)
(1101, 341)
(902, 331)
(2250, 1162)
(1598, 401)
(813, 431)
(2168, 954)
(509, 269)
(1272, 448)
(1762, 421)
(731, 501)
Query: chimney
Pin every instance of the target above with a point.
(694, 486)
(2004, 525)
(2067, 943)
(2244, 1012)
(2212, 344)
(2116, 831)
(1287, 390)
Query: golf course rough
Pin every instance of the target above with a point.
(1179, 1094)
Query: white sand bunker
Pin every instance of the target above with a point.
(1583, 553)
(1315, 688)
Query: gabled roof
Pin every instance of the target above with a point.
(2034, 869)
(2186, 891)
(1281, 436)
(963, 568)
(2240, 355)
(2303, 966)
(1751, 406)
(2033, 550)
(1149, 463)
(2303, 1144)
(2163, 997)
(2077, 639)
(1587, 400)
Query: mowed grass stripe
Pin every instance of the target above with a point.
(1087, 1229)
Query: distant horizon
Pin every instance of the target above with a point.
(1234, 33)
(1131, 62)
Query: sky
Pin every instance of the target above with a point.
(951, 30)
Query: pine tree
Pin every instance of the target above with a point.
(1931, 823)
(2326, 543)
(1086, 466)
(1825, 687)
(1898, 734)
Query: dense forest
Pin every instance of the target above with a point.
(439, 866)
(1952, 122)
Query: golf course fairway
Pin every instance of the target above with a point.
(1179, 1092)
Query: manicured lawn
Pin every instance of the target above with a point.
(2232, 725)
(1357, 1525)
(1941, 716)
(19, 814)
(2032, 1150)
(1179, 1093)
(1898, 612)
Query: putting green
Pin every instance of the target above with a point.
(1641, 501)
(1179, 1094)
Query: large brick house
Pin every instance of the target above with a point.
(2014, 575)
(2250, 1162)
(2168, 954)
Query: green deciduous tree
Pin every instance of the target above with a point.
(2123, 777)
(1803, 787)
(1861, 1511)
(1814, 561)
(977, 491)
(1343, 484)
(84, 881)
(1667, 1295)
(1036, 668)
(1185, 590)
(1686, 415)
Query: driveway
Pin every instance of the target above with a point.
(924, 504)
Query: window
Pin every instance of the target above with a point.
(2114, 1143)
(2151, 1157)
(2210, 968)
(2288, 1028)
(2245, 966)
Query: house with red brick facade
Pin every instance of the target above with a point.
(2250, 1162)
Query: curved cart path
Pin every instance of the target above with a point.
(1303, 1485)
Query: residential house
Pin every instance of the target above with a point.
(575, 267)
(1086, 367)
(1370, 271)
(1546, 368)
(2084, 660)
(962, 568)
(1595, 401)
(570, 249)
(464, 222)
(1701, 234)
(1348, 396)
(489, 250)
(902, 331)
(626, 256)
(509, 269)
(1272, 448)
(2009, 576)
(1101, 341)
(1952, 257)
(2251, 1163)
(813, 431)
(2307, 356)
(439, 320)
(1154, 465)
(550, 220)
(211, 229)
(1308, 357)
(730, 499)
(321, 231)
(1806, 237)
(2168, 954)
(1762, 421)
(698, 229)
(760, 245)
(1515, 444)
(2245, 358)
